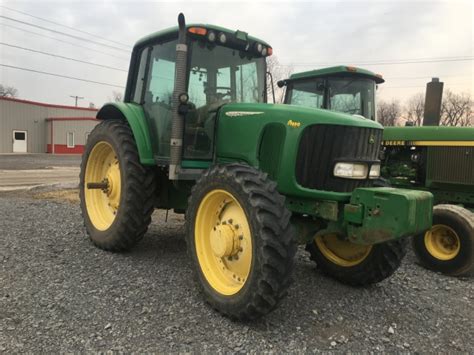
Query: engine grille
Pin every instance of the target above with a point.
(452, 165)
(322, 145)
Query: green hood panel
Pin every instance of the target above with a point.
(269, 134)
(429, 133)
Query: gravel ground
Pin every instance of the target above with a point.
(59, 293)
(37, 161)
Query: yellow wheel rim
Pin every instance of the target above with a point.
(442, 242)
(223, 242)
(342, 252)
(102, 204)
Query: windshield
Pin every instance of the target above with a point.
(354, 96)
(220, 75)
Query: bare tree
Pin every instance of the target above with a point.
(457, 109)
(8, 91)
(279, 72)
(388, 112)
(117, 96)
(415, 109)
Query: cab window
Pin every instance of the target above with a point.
(308, 94)
(158, 95)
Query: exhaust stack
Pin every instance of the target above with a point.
(177, 122)
(434, 94)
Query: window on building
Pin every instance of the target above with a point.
(70, 140)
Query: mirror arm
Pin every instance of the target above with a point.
(273, 87)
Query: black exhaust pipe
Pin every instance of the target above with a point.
(177, 122)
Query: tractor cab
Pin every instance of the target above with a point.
(344, 89)
(220, 66)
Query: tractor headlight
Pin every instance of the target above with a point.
(374, 172)
(351, 170)
(259, 47)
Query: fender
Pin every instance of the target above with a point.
(136, 119)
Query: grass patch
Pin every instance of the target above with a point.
(69, 195)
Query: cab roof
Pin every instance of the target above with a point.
(171, 32)
(341, 70)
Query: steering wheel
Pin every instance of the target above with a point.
(218, 94)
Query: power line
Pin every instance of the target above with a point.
(65, 34)
(65, 26)
(453, 59)
(63, 57)
(61, 76)
(62, 41)
(416, 86)
(441, 76)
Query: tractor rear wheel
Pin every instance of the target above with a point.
(240, 240)
(448, 246)
(116, 191)
(353, 264)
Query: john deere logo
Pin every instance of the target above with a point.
(371, 139)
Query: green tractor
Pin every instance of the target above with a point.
(435, 159)
(195, 135)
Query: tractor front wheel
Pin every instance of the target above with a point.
(448, 246)
(353, 264)
(240, 240)
(116, 191)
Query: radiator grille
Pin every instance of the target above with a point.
(322, 145)
(454, 165)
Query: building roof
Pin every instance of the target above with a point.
(35, 103)
(338, 70)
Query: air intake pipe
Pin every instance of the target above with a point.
(177, 122)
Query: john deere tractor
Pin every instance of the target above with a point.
(194, 134)
(435, 159)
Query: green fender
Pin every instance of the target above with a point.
(136, 119)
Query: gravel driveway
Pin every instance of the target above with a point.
(59, 293)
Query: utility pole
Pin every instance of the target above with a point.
(76, 98)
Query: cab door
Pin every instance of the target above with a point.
(154, 91)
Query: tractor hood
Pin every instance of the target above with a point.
(256, 115)
(426, 134)
(268, 136)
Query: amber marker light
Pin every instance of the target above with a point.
(269, 51)
(352, 69)
(198, 31)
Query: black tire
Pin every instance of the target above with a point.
(273, 242)
(382, 261)
(461, 221)
(137, 189)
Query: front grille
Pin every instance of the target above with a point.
(452, 165)
(321, 146)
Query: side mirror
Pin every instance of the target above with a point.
(281, 83)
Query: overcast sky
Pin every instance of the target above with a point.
(304, 36)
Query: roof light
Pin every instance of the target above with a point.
(198, 31)
(259, 47)
(211, 36)
(222, 37)
(379, 76)
(264, 51)
(352, 69)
